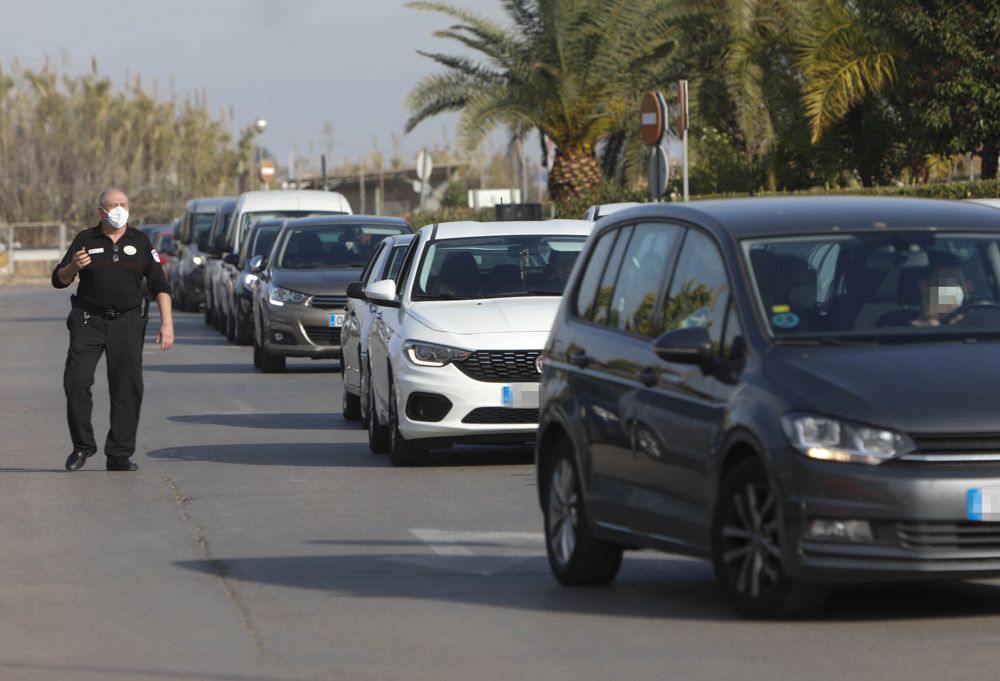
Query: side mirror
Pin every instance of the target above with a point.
(231, 258)
(356, 290)
(382, 293)
(685, 346)
(257, 263)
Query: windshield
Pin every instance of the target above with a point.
(250, 219)
(496, 267)
(878, 285)
(261, 241)
(337, 245)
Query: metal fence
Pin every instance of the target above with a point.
(31, 247)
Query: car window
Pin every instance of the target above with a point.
(500, 266)
(733, 343)
(592, 274)
(602, 301)
(334, 245)
(877, 284)
(395, 262)
(634, 301)
(699, 292)
(370, 273)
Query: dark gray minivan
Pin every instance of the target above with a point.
(801, 390)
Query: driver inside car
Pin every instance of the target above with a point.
(943, 292)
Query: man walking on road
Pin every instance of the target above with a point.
(108, 317)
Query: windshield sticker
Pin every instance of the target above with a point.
(778, 309)
(785, 320)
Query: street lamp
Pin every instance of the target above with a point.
(259, 126)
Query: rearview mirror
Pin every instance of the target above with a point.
(382, 293)
(231, 258)
(685, 346)
(257, 263)
(356, 290)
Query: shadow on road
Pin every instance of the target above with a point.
(241, 368)
(658, 588)
(276, 454)
(271, 421)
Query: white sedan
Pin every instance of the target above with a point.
(455, 347)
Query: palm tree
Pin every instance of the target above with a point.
(843, 63)
(574, 69)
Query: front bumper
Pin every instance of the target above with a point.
(194, 284)
(305, 332)
(918, 513)
(471, 400)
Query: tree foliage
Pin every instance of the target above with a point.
(64, 139)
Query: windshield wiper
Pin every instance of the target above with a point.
(529, 292)
(838, 342)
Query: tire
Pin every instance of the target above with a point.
(746, 549)
(208, 313)
(402, 452)
(378, 435)
(350, 404)
(219, 322)
(231, 329)
(576, 556)
(257, 354)
(364, 396)
(271, 363)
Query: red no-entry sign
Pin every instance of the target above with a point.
(653, 114)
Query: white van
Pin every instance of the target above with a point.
(251, 208)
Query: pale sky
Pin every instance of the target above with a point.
(299, 65)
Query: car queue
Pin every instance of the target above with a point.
(797, 390)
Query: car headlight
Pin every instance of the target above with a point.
(197, 260)
(248, 281)
(432, 355)
(827, 439)
(279, 296)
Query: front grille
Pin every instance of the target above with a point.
(955, 448)
(322, 335)
(502, 366)
(501, 415)
(329, 302)
(939, 537)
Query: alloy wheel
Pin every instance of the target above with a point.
(750, 551)
(563, 517)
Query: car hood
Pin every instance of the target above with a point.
(917, 388)
(317, 282)
(494, 315)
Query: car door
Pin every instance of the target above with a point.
(677, 417)
(588, 352)
(355, 316)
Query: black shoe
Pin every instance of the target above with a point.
(76, 460)
(121, 465)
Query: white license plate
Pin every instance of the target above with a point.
(519, 397)
(983, 504)
(336, 320)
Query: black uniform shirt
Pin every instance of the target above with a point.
(114, 277)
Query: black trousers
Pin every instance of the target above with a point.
(121, 340)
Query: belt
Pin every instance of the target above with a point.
(108, 313)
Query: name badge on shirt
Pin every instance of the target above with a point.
(95, 251)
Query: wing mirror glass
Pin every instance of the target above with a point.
(257, 263)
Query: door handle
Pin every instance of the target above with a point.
(648, 377)
(578, 358)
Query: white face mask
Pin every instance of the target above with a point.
(946, 296)
(117, 217)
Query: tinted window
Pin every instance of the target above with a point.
(201, 224)
(592, 274)
(699, 293)
(250, 219)
(733, 345)
(643, 269)
(599, 315)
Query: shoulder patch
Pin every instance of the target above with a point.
(156, 256)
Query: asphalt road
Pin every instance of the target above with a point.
(261, 540)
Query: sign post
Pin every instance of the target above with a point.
(653, 125)
(425, 165)
(682, 116)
